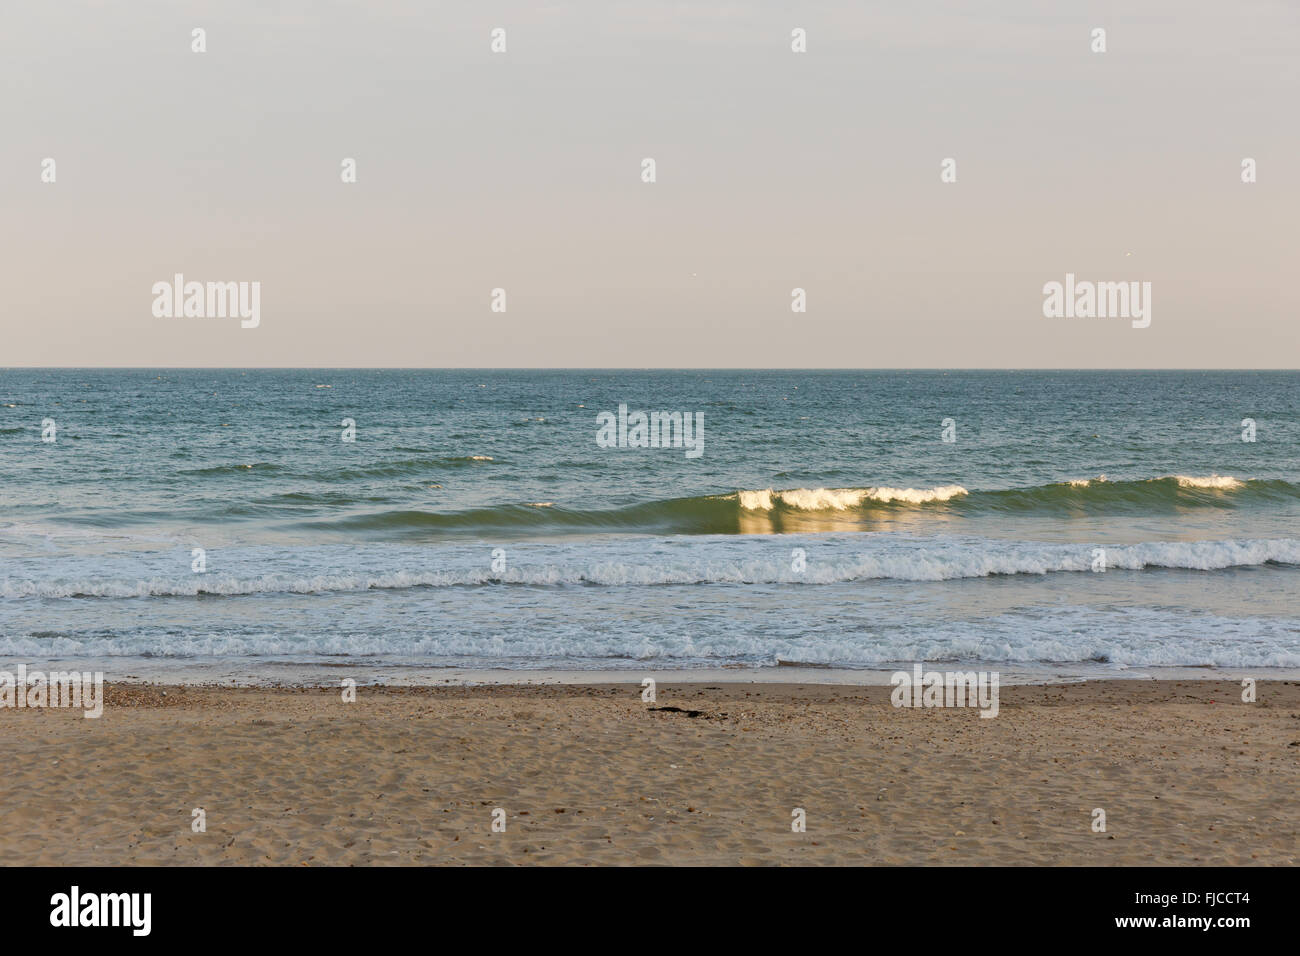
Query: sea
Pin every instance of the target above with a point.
(244, 525)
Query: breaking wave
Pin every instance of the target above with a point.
(798, 509)
(927, 562)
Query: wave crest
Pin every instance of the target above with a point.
(841, 499)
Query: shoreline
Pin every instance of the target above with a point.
(710, 773)
(241, 673)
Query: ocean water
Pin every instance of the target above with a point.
(476, 522)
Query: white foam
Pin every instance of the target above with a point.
(1213, 481)
(841, 499)
(916, 561)
(1113, 637)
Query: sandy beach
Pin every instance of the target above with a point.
(1186, 773)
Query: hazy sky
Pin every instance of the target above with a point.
(775, 170)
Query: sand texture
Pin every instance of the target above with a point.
(1186, 773)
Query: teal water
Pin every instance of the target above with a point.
(476, 521)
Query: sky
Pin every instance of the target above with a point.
(775, 170)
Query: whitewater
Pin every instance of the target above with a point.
(1082, 524)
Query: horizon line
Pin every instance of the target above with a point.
(622, 368)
